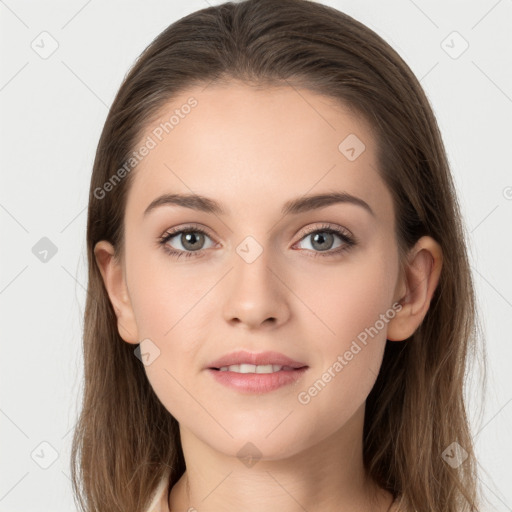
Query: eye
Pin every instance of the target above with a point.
(191, 238)
(323, 238)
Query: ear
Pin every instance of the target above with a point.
(416, 288)
(115, 283)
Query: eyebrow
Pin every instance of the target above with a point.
(294, 206)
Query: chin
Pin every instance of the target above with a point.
(258, 444)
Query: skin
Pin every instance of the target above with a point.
(253, 150)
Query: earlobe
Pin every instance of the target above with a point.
(421, 278)
(113, 277)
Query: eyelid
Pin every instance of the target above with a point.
(326, 225)
(190, 226)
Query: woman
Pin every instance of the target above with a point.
(280, 304)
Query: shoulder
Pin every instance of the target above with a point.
(159, 501)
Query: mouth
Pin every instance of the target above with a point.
(256, 373)
(259, 369)
(262, 372)
(243, 361)
(257, 379)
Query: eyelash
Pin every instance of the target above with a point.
(349, 241)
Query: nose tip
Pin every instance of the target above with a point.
(255, 295)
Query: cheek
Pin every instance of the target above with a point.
(343, 300)
(162, 292)
(165, 303)
(351, 306)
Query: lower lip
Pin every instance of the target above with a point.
(257, 382)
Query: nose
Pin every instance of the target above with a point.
(255, 294)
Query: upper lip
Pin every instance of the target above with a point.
(260, 358)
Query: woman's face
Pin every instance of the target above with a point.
(260, 279)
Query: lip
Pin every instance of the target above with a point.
(256, 382)
(260, 358)
(250, 383)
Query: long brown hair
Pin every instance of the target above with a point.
(125, 439)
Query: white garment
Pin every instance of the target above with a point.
(159, 499)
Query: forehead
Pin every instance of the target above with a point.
(249, 148)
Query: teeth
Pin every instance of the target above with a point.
(251, 368)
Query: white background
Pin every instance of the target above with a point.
(52, 112)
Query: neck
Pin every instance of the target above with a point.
(327, 476)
